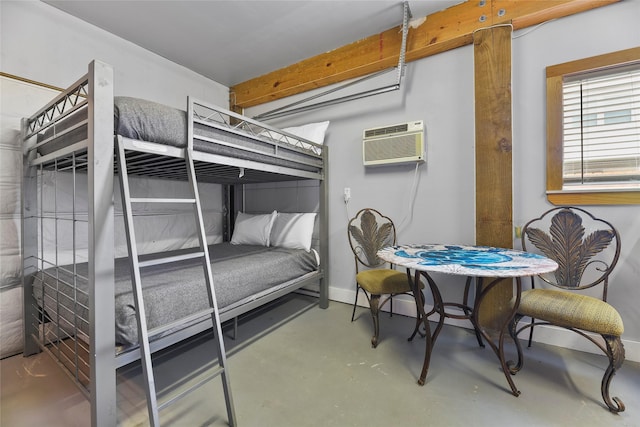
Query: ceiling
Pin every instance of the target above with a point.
(234, 41)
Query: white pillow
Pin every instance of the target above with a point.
(253, 229)
(293, 230)
(314, 132)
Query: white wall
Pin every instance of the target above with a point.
(443, 206)
(38, 42)
(44, 44)
(439, 90)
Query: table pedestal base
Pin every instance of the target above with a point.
(470, 313)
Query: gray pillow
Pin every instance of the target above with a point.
(149, 121)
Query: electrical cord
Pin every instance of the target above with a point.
(411, 199)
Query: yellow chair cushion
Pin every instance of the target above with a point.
(383, 281)
(569, 309)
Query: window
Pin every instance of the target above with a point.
(601, 133)
(593, 130)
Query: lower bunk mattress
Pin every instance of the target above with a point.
(172, 291)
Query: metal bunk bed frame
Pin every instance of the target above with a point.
(96, 376)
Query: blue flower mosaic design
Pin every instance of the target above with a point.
(484, 260)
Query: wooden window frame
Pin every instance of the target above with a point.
(555, 77)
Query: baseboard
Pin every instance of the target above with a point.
(543, 334)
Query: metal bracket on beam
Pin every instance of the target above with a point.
(288, 109)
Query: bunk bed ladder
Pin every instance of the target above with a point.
(137, 264)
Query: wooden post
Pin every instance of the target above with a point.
(494, 218)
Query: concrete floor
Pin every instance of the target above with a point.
(320, 370)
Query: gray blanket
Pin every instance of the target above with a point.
(144, 120)
(173, 291)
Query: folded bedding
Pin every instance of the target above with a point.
(174, 291)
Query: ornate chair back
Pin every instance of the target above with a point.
(586, 248)
(369, 231)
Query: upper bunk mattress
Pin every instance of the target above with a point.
(149, 121)
(177, 290)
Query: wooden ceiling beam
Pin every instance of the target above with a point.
(436, 33)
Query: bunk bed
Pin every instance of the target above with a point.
(70, 308)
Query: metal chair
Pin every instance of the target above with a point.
(369, 231)
(586, 249)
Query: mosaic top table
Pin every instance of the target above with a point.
(480, 262)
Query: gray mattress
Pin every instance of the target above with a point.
(144, 120)
(174, 291)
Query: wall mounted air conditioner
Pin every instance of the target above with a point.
(396, 144)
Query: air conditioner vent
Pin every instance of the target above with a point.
(386, 130)
(396, 144)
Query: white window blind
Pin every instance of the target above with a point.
(601, 129)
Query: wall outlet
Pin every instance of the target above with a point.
(347, 194)
(518, 232)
